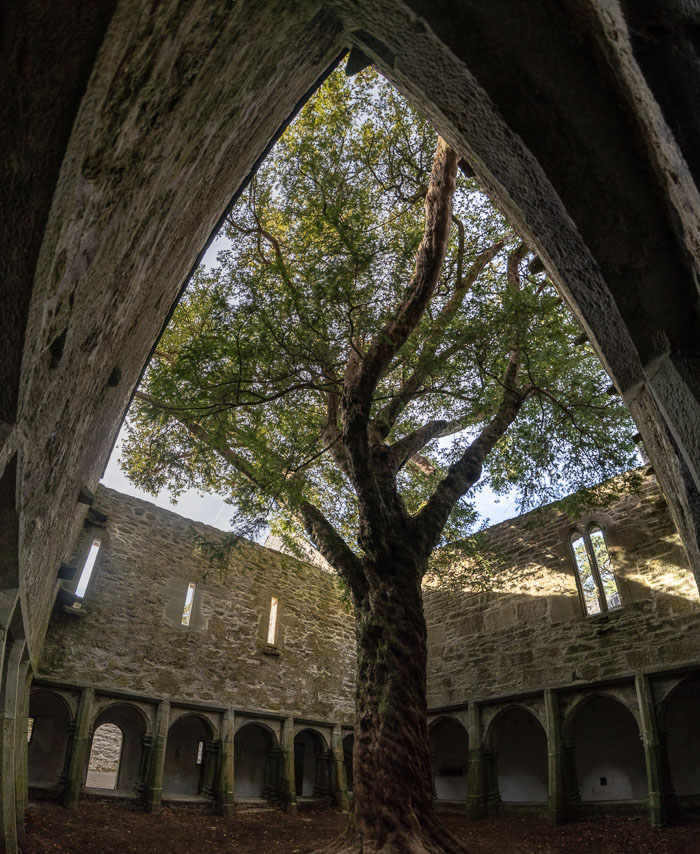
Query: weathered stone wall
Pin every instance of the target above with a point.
(529, 630)
(526, 632)
(131, 637)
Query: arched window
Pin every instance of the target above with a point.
(596, 579)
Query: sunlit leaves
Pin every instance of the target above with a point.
(322, 248)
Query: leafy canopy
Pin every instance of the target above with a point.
(244, 393)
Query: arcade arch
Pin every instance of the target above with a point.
(254, 756)
(680, 716)
(449, 755)
(608, 752)
(188, 757)
(51, 717)
(311, 764)
(104, 763)
(133, 727)
(519, 742)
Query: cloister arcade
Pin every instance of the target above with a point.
(488, 758)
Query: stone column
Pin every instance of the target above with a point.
(288, 789)
(22, 729)
(652, 753)
(324, 766)
(80, 749)
(556, 759)
(226, 780)
(144, 764)
(12, 685)
(154, 784)
(210, 757)
(339, 775)
(476, 801)
(273, 785)
(63, 777)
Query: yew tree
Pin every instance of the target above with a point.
(375, 343)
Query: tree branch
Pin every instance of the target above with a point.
(466, 471)
(407, 447)
(363, 373)
(332, 546)
(386, 418)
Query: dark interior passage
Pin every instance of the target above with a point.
(449, 753)
(309, 765)
(184, 756)
(520, 743)
(682, 727)
(251, 755)
(50, 718)
(608, 752)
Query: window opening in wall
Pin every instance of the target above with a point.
(200, 752)
(596, 578)
(30, 729)
(87, 569)
(272, 624)
(585, 574)
(103, 767)
(604, 564)
(189, 599)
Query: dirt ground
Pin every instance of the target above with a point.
(105, 828)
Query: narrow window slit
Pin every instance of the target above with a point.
(88, 567)
(597, 581)
(189, 599)
(272, 623)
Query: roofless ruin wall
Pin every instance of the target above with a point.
(130, 634)
(529, 630)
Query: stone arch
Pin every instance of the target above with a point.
(256, 757)
(449, 757)
(311, 763)
(519, 742)
(134, 727)
(51, 720)
(608, 752)
(105, 758)
(207, 718)
(679, 721)
(186, 755)
(348, 746)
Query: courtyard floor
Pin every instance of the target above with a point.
(104, 828)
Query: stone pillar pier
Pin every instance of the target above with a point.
(323, 782)
(210, 760)
(22, 729)
(288, 789)
(12, 682)
(63, 777)
(273, 785)
(79, 749)
(476, 800)
(146, 749)
(652, 753)
(154, 783)
(556, 760)
(226, 779)
(339, 775)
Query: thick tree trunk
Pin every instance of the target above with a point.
(392, 798)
